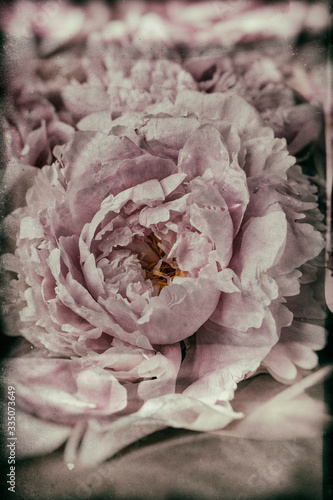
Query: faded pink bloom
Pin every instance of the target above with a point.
(168, 245)
(35, 120)
(125, 86)
(214, 22)
(48, 96)
(163, 227)
(265, 81)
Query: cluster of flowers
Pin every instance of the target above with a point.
(167, 247)
(106, 56)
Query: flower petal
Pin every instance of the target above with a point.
(64, 390)
(173, 410)
(174, 314)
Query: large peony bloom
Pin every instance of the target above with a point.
(168, 246)
(157, 261)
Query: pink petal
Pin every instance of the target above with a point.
(63, 390)
(224, 356)
(174, 314)
(160, 372)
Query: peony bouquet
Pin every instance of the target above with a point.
(164, 239)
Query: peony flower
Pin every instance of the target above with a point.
(128, 85)
(138, 249)
(35, 120)
(49, 95)
(157, 26)
(168, 245)
(263, 80)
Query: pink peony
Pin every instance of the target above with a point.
(266, 81)
(179, 228)
(49, 95)
(168, 245)
(156, 26)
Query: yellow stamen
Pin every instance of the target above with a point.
(166, 269)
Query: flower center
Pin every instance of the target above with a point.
(160, 271)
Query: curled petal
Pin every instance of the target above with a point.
(295, 349)
(223, 357)
(173, 410)
(261, 245)
(65, 390)
(174, 315)
(160, 372)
